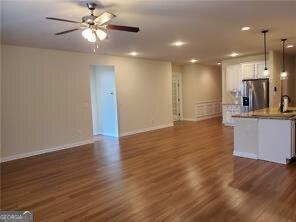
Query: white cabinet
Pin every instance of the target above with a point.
(238, 72)
(253, 70)
(228, 112)
(265, 139)
(275, 140)
(259, 70)
(246, 137)
(227, 117)
(248, 71)
(233, 78)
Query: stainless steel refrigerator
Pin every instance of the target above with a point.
(255, 94)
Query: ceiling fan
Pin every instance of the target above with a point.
(95, 27)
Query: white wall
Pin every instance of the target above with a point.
(0, 84)
(283, 86)
(275, 59)
(288, 85)
(295, 78)
(46, 96)
(201, 83)
(177, 68)
(0, 97)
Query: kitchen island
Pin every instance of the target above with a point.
(265, 134)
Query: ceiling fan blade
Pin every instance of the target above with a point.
(67, 31)
(61, 20)
(104, 17)
(123, 28)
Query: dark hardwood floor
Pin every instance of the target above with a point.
(183, 173)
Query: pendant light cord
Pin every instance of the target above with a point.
(265, 48)
(264, 33)
(284, 41)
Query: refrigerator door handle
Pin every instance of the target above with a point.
(251, 99)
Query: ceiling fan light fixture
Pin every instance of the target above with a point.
(89, 34)
(95, 27)
(92, 38)
(101, 34)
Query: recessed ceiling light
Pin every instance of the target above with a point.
(178, 43)
(246, 28)
(290, 46)
(218, 63)
(193, 60)
(133, 53)
(234, 54)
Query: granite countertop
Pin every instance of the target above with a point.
(269, 113)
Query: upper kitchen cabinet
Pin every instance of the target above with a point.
(253, 70)
(233, 77)
(238, 72)
(248, 71)
(259, 70)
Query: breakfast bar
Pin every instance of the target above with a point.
(265, 134)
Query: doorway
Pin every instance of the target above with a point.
(177, 96)
(104, 101)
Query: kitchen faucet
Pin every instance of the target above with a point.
(285, 100)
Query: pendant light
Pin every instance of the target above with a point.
(266, 71)
(284, 74)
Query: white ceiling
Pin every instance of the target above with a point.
(210, 28)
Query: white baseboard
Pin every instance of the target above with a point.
(245, 154)
(209, 117)
(188, 119)
(228, 124)
(72, 145)
(203, 117)
(52, 149)
(146, 129)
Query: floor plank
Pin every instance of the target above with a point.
(182, 173)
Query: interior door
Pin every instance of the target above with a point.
(108, 103)
(104, 102)
(176, 99)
